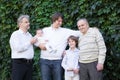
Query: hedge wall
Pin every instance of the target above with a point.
(104, 14)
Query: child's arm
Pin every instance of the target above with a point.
(76, 67)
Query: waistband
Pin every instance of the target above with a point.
(23, 60)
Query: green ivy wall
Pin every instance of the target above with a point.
(104, 14)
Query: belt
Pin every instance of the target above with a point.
(24, 60)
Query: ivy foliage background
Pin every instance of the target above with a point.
(104, 14)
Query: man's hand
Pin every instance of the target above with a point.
(33, 40)
(99, 67)
(42, 46)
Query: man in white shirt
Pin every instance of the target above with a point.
(21, 43)
(50, 63)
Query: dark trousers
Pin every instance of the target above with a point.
(88, 71)
(51, 69)
(22, 69)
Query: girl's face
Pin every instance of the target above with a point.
(72, 43)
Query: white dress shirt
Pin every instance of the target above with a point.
(70, 60)
(58, 39)
(20, 45)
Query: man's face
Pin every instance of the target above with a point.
(58, 22)
(83, 26)
(24, 24)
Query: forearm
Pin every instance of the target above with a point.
(42, 46)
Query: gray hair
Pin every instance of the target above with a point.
(19, 20)
(84, 19)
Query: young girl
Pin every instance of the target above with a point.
(70, 60)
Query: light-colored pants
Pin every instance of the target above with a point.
(75, 77)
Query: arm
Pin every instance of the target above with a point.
(102, 50)
(15, 43)
(75, 33)
(41, 42)
(76, 67)
(42, 46)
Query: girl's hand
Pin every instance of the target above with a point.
(76, 71)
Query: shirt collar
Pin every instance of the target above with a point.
(21, 31)
(88, 31)
(73, 50)
(54, 28)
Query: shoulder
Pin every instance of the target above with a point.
(66, 29)
(77, 50)
(46, 28)
(67, 51)
(29, 33)
(16, 32)
(94, 29)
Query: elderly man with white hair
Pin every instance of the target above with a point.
(92, 51)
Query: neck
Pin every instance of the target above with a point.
(86, 31)
(72, 48)
(55, 26)
(24, 30)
